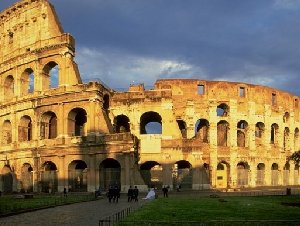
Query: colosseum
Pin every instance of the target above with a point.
(58, 132)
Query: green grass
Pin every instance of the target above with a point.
(206, 209)
(13, 204)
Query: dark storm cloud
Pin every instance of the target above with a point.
(251, 41)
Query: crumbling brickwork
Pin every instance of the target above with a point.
(58, 133)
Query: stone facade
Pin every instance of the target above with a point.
(57, 132)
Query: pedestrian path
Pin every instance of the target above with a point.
(78, 214)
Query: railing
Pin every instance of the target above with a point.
(116, 218)
(212, 222)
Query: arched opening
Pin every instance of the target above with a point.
(122, 124)
(27, 82)
(151, 173)
(296, 139)
(49, 180)
(182, 127)
(286, 117)
(77, 120)
(110, 173)
(7, 179)
(259, 132)
(274, 174)
(48, 126)
(286, 139)
(9, 88)
(260, 178)
(223, 110)
(151, 123)
(25, 129)
(222, 133)
(6, 132)
(52, 71)
(26, 178)
(202, 130)
(106, 102)
(222, 175)
(274, 134)
(242, 127)
(296, 174)
(286, 174)
(77, 176)
(182, 175)
(242, 174)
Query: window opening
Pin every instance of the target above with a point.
(201, 89)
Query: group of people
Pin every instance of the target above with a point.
(113, 194)
(132, 194)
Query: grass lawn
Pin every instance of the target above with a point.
(13, 203)
(226, 208)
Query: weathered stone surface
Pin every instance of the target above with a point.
(57, 132)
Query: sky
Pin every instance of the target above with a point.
(121, 42)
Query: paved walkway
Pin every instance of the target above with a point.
(78, 214)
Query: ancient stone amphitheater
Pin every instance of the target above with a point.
(57, 132)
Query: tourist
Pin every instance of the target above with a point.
(116, 194)
(165, 191)
(65, 192)
(135, 193)
(130, 194)
(110, 193)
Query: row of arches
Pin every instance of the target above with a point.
(48, 126)
(26, 82)
(153, 173)
(151, 122)
(109, 174)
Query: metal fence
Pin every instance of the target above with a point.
(212, 223)
(115, 218)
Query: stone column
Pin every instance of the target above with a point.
(91, 177)
(62, 174)
(167, 175)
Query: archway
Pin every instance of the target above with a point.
(202, 130)
(77, 120)
(151, 172)
(286, 174)
(242, 174)
(296, 174)
(222, 133)
(25, 129)
(151, 123)
(9, 87)
(26, 178)
(122, 124)
(51, 75)
(242, 133)
(222, 175)
(260, 178)
(7, 179)
(274, 174)
(27, 82)
(182, 175)
(77, 176)
(49, 180)
(7, 132)
(48, 126)
(110, 173)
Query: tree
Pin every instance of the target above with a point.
(295, 157)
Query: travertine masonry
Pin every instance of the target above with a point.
(57, 132)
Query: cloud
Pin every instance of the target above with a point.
(287, 4)
(118, 69)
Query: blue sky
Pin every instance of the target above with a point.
(140, 41)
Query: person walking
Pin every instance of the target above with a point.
(130, 194)
(136, 194)
(165, 191)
